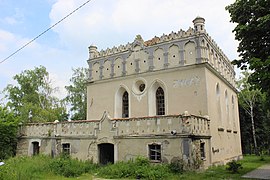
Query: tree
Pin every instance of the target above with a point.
(253, 116)
(252, 31)
(77, 93)
(32, 98)
(8, 133)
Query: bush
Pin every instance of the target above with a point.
(24, 167)
(68, 167)
(135, 169)
(177, 166)
(35, 167)
(234, 166)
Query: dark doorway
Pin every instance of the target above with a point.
(106, 153)
(35, 148)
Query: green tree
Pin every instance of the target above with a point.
(32, 98)
(252, 32)
(8, 133)
(77, 93)
(253, 116)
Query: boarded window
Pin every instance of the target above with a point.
(155, 152)
(66, 148)
(125, 107)
(160, 101)
(186, 147)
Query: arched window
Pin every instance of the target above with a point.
(160, 101)
(125, 107)
(218, 105)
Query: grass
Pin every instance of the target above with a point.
(64, 168)
(249, 163)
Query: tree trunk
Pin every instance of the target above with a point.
(253, 131)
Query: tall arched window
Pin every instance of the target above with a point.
(218, 106)
(125, 107)
(160, 101)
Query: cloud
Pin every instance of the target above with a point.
(74, 30)
(110, 22)
(16, 18)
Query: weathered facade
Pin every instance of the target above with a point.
(170, 97)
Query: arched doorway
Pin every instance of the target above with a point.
(106, 153)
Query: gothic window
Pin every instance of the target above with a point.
(160, 102)
(154, 152)
(66, 148)
(125, 107)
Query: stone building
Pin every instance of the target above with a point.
(170, 97)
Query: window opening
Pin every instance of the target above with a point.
(142, 87)
(160, 102)
(155, 152)
(66, 148)
(202, 150)
(125, 107)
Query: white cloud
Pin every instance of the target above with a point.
(16, 18)
(110, 22)
(5, 39)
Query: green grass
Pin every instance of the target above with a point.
(64, 168)
(249, 163)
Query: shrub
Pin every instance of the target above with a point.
(24, 167)
(35, 167)
(135, 169)
(177, 166)
(68, 167)
(234, 166)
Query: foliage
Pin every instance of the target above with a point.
(8, 133)
(177, 166)
(68, 167)
(138, 168)
(252, 31)
(77, 93)
(254, 115)
(37, 167)
(234, 166)
(41, 167)
(32, 98)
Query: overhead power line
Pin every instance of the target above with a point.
(58, 22)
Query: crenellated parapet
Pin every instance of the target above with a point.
(172, 50)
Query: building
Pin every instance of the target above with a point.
(167, 98)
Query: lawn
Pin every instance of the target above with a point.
(61, 168)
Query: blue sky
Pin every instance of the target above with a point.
(104, 23)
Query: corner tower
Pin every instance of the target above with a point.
(199, 24)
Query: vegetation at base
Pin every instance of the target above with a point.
(234, 166)
(38, 167)
(138, 168)
(63, 167)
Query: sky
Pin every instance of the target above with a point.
(104, 23)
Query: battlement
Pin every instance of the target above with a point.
(94, 53)
(175, 49)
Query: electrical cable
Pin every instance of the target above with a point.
(58, 22)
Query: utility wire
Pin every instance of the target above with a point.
(58, 22)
